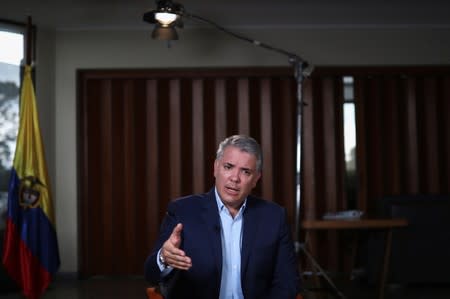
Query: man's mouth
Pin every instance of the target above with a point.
(231, 189)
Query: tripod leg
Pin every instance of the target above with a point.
(325, 275)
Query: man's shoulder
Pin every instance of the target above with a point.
(260, 203)
(192, 199)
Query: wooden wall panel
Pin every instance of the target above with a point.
(221, 106)
(323, 151)
(309, 176)
(361, 169)
(394, 148)
(410, 135)
(175, 143)
(430, 149)
(402, 141)
(199, 172)
(266, 139)
(284, 127)
(402, 133)
(243, 106)
(150, 180)
(106, 164)
(147, 137)
(444, 135)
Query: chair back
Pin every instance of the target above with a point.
(152, 293)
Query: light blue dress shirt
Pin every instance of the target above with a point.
(231, 238)
(231, 232)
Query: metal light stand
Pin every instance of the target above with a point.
(299, 66)
(299, 73)
(299, 76)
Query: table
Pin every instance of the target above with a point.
(359, 224)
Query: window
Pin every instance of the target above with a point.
(350, 143)
(11, 55)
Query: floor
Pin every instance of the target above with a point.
(360, 289)
(129, 287)
(134, 288)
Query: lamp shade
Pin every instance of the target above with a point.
(166, 17)
(164, 33)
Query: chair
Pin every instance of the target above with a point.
(152, 293)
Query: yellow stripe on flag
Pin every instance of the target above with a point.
(29, 159)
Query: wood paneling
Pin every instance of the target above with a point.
(148, 136)
(402, 134)
(322, 160)
(402, 141)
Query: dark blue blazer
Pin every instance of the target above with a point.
(268, 261)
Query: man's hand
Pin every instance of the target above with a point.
(171, 252)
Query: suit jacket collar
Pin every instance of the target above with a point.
(212, 221)
(211, 218)
(248, 236)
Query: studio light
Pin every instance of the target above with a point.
(166, 17)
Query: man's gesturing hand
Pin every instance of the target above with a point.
(171, 252)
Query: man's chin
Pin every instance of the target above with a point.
(233, 201)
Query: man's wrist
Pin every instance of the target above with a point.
(161, 259)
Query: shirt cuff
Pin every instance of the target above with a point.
(165, 270)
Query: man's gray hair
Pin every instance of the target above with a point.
(244, 143)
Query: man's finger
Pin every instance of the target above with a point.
(180, 262)
(177, 230)
(173, 252)
(175, 237)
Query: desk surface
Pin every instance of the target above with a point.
(354, 224)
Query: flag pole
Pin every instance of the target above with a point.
(28, 43)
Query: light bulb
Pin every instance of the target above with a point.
(165, 18)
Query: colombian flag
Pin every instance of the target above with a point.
(30, 253)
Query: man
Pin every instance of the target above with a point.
(226, 243)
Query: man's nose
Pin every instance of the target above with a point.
(235, 176)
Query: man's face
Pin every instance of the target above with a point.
(236, 176)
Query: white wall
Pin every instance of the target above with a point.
(75, 50)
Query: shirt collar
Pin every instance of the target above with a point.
(221, 206)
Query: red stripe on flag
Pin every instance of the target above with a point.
(22, 266)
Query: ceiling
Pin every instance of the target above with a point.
(127, 14)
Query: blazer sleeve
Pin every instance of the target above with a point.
(151, 269)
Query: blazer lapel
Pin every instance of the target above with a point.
(211, 219)
(249, 233)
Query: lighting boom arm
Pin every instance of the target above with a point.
(177, 11)
(293, 58)
(299, 66)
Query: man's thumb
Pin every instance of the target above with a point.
(176, 233)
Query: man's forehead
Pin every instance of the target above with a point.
(236, 156)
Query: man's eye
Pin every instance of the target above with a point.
(227, 166)
(247, 172)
